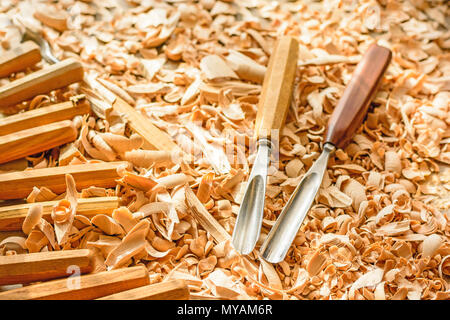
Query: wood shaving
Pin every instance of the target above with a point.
(379, 226)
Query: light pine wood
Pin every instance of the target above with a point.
(211, 225)
(18, 185)
(205, 219)
(90, 286)
(42, 116)
(38, 139)
(45, 80)
(15, 165)
(169, 290)
(53, 19)
(67, 153)
(41, 266)
(7, 234)
(100, 106)
(154, 138)
(277, 87)
(19, 58)
(12, 217)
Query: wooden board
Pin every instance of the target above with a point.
(154, 138)
(19, 58)
(42, 116)
(11, 217)
(53, 77)
(86, 287)
(18, 185)
(204, 218)
(34, 140)
(40, 266)
(169, 290)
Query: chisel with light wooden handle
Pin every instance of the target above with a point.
(272, 110)
(23, 56)
(85, 287)
(53, 77)
(41, 266)
(342, 125)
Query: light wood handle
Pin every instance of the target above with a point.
(169, 290)
(41, 266)
(277, 87)
(25, 55)
(18, 185)
(86, 287)
(45, 115)
(12, 217)
(45, 80)
(38, 139)
(354, 103)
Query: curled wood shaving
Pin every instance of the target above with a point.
(33, 217)
(63, 213)
(133, 243)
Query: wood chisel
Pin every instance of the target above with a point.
(272, 110)
(343, 123)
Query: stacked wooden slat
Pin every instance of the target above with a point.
(66, 274)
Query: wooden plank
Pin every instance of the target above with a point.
(204, 218)
(15, 165)
(41, 266)
(154, 138)
(25, 55)
(18, 185)
(11, 217)
(196, 296)
(7, 234)
(45, 80)
(38, 139)
(86, 287)
(169, 290)
(42, 116)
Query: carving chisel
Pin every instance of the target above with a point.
(343, 123)
(272, 109)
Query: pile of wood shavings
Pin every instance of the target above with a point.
(379, 228)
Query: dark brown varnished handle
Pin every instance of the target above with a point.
(353, 105)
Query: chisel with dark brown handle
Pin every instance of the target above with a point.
(342, 125)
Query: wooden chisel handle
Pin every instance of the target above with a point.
(353, 105)
(277, 87)
(25, 55)
(53, 77)
(25, 268)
